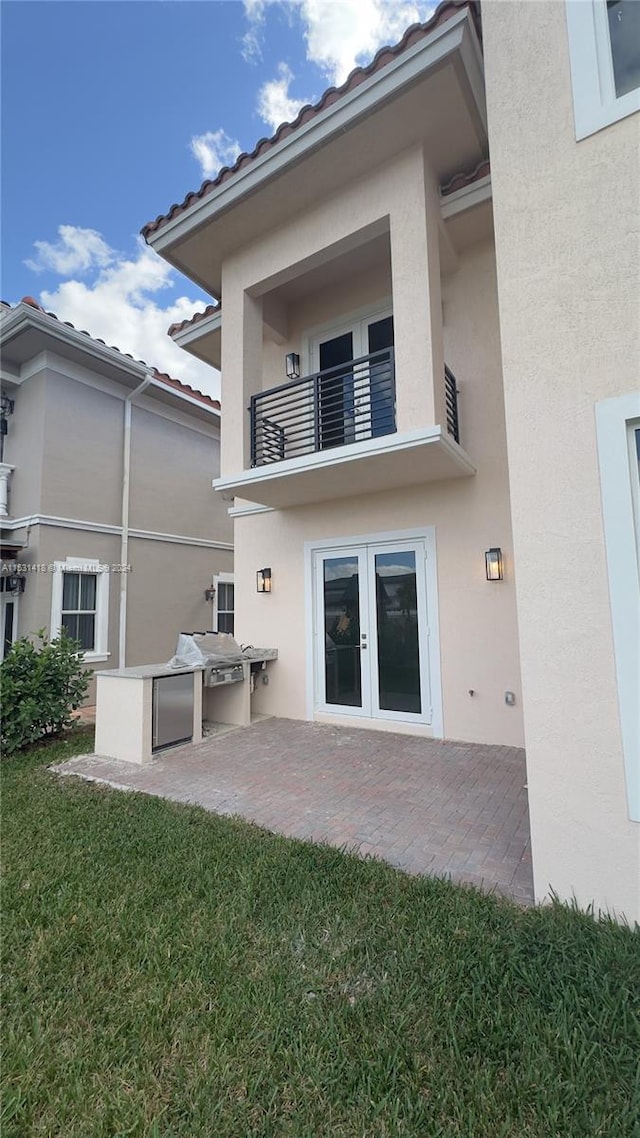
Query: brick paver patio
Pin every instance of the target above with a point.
(442, 808)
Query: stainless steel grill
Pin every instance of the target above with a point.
(221, 674)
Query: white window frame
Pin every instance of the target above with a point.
(615, 421)
(84, 565)
(595, 103)
(224, 579)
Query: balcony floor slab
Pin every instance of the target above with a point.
(390, 462)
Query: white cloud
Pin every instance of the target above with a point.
(76, 251)
(252, 39)
(214, 150)
(122, 304)
(275, 105)
(343, 34)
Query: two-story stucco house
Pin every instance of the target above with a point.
(108, 524)
(415, 346)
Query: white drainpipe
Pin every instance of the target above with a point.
(124, 541)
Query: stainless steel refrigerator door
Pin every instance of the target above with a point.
(172, 710)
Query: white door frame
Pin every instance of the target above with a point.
(350, 542)
(8, 598)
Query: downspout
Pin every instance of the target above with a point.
(124, 540)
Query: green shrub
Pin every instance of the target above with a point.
(40, 687)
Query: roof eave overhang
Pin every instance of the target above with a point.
(23, 318)
(456, 40)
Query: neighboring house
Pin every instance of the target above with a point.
(429, 374)
(106, 464)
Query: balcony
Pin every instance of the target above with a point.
(333, 434)
(344, 404)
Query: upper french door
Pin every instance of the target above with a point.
(356, 400)
(371, 631)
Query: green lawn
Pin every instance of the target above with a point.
(170, 973)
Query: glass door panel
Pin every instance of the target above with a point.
(342, 655)
(336, 391)
(382, 411)
(398, 650)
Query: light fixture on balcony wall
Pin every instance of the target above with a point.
(263, 580)
(494, 564)
(293, 365)
(209, 593)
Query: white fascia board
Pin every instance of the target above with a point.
(319, 460)
(204, 327)
(465, 198)
(444, 41)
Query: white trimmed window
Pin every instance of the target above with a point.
(223, 603)
(604, 49)
(80, 604)
(618, 432)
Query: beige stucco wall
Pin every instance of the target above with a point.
(478, 633)
(82, 451)
(24, 446)
(566, 217)
(172, 467)
(166, 595)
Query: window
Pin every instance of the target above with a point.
(604, 50)
(618, 432)
(79, 593)
(223, 604)
(624, 39)
(80, 604)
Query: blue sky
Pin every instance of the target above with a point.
(114, 109)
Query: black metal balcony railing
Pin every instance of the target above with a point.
(345, 404)
(451, 403)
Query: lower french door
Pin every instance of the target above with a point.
(371, 631)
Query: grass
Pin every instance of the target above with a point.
(171, 974)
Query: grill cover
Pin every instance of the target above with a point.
(206, 650)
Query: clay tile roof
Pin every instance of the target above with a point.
(385, 55)
(162, 377)
(461, 180)
(195, 319)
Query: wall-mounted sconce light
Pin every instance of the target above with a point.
(494, 564)
(293, 365)
(263, 580)
(209, 593)
(14, 584)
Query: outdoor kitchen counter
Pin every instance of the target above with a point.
(125, 709)
(148, 671)
(232, 703)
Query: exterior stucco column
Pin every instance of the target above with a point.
(417, 303)
(241, 374)
(5, 474)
